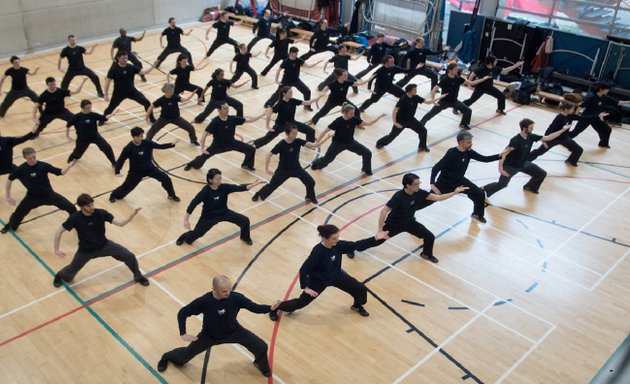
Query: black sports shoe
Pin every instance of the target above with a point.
(500, 112)
(265, 372)
(255, 197)
(478, 218)
(247, 241)
(188, 167)
(195, 143)
(143, 78)
(312, 200)
(175, 198)
(571, 163)
(530, 189)
(4, 229)
(360, 310)
(142, 281)
(162, 364)
(101, 95)
(423, 149)
(308, 108)
(466, 127)
(350, 254)
(180, 240)
(247, 167)
(57, 282)
(112, 199)
(273, 315)
(432, 259)
(367, 173)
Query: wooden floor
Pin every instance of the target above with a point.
(536, 295)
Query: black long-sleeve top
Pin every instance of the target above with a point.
(452, 167)
(417, 56)
(219, 316)
(385, 76)
(214, 200)
(560, 121)
(6, 150)
(320, 39)
(594, 104)
(140, 156)
(263, 27)
(376, 53)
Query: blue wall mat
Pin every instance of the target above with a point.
(456, 30)
(572, 64)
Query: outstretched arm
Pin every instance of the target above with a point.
(122, 223)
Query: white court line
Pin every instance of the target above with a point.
(612, 268)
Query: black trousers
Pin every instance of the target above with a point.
(191, 88)
(277, 130)
(178, 121)
(345, 282)
(12, 96)
(307, 55)
(82, 145)
(47, 118)
(169, 50)
(601, 127)
(336, 148)
(414, 228)
(412, 124)
(329, 105)
(250, 71)
(256, 39)
(423, 71)
(133, 179)
(214, 103)
(242, 336)
(134, 60)
(567, 142)
(206, 223)
(466, 111)
(492, 91)
(537, 177)
(112, 249)
(217, 43)
(71, 73)
(304, 90)
(367, 70)
(281, 175)
(474, 193)
(332, 78)
(238, 146)
(135, 95)
(29, 203)
(379, 92)
(274, 60)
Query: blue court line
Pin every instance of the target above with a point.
(459, 308)
(501, 302)
(522, 223)
(540, 243)
(412, 303)
(531, 287)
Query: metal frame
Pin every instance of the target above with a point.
(431, 13)
(493, 39)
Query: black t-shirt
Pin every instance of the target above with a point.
(223, 29)
(407, 107)
(123, 78)
(53, 101)
(123, 44)
(560, 121)
(452, 167)
(289, 154)
(90, 229)
(404, 206)
(219, 316)
(214, 200)
(340, 61)
(263, 26)
(18, 77)
(223, 131)
(86, 124)
(594, 104)
(6, 150)
(281, 47)
(291, 70)
(183, 75)
(385, 76)
(286, 111)
(173, 36)
(74, 56)
(339, 91)
(484, 71)
(35, 178)
(417, 56)
(344, 129)
(140, 156)
(521, 150)
(451, 86)
(242, 60)
(219, 88)
(376, 53)
(170, 106)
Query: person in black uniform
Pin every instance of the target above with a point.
(566, 116)
(76, 67)
(33, 175)
(416, 56)
(123, 44)
(291, 77)
(123, 74)
(242, 65)
(450, 84)
(89, 223)
(86, 125)
(140, 155)
(516, 160)
(169, 105)
(262, 29)
(289, 165)
(220, 308)
(320, 41)
(338, 94)
(595, 103)
(7, 143)
(375, 55)
(403, 117)
(398, 215)
(52, 105)
(449, 173)
(219, 95)
(214, 197)
(322, 269)
(223, 128)
(280, 50)
(343, 139)
(223, 34)
(285, 108)
(19, 85)
(339, 60)
(489, 69)
(182, 82)
(173, 35)
(385, 82)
